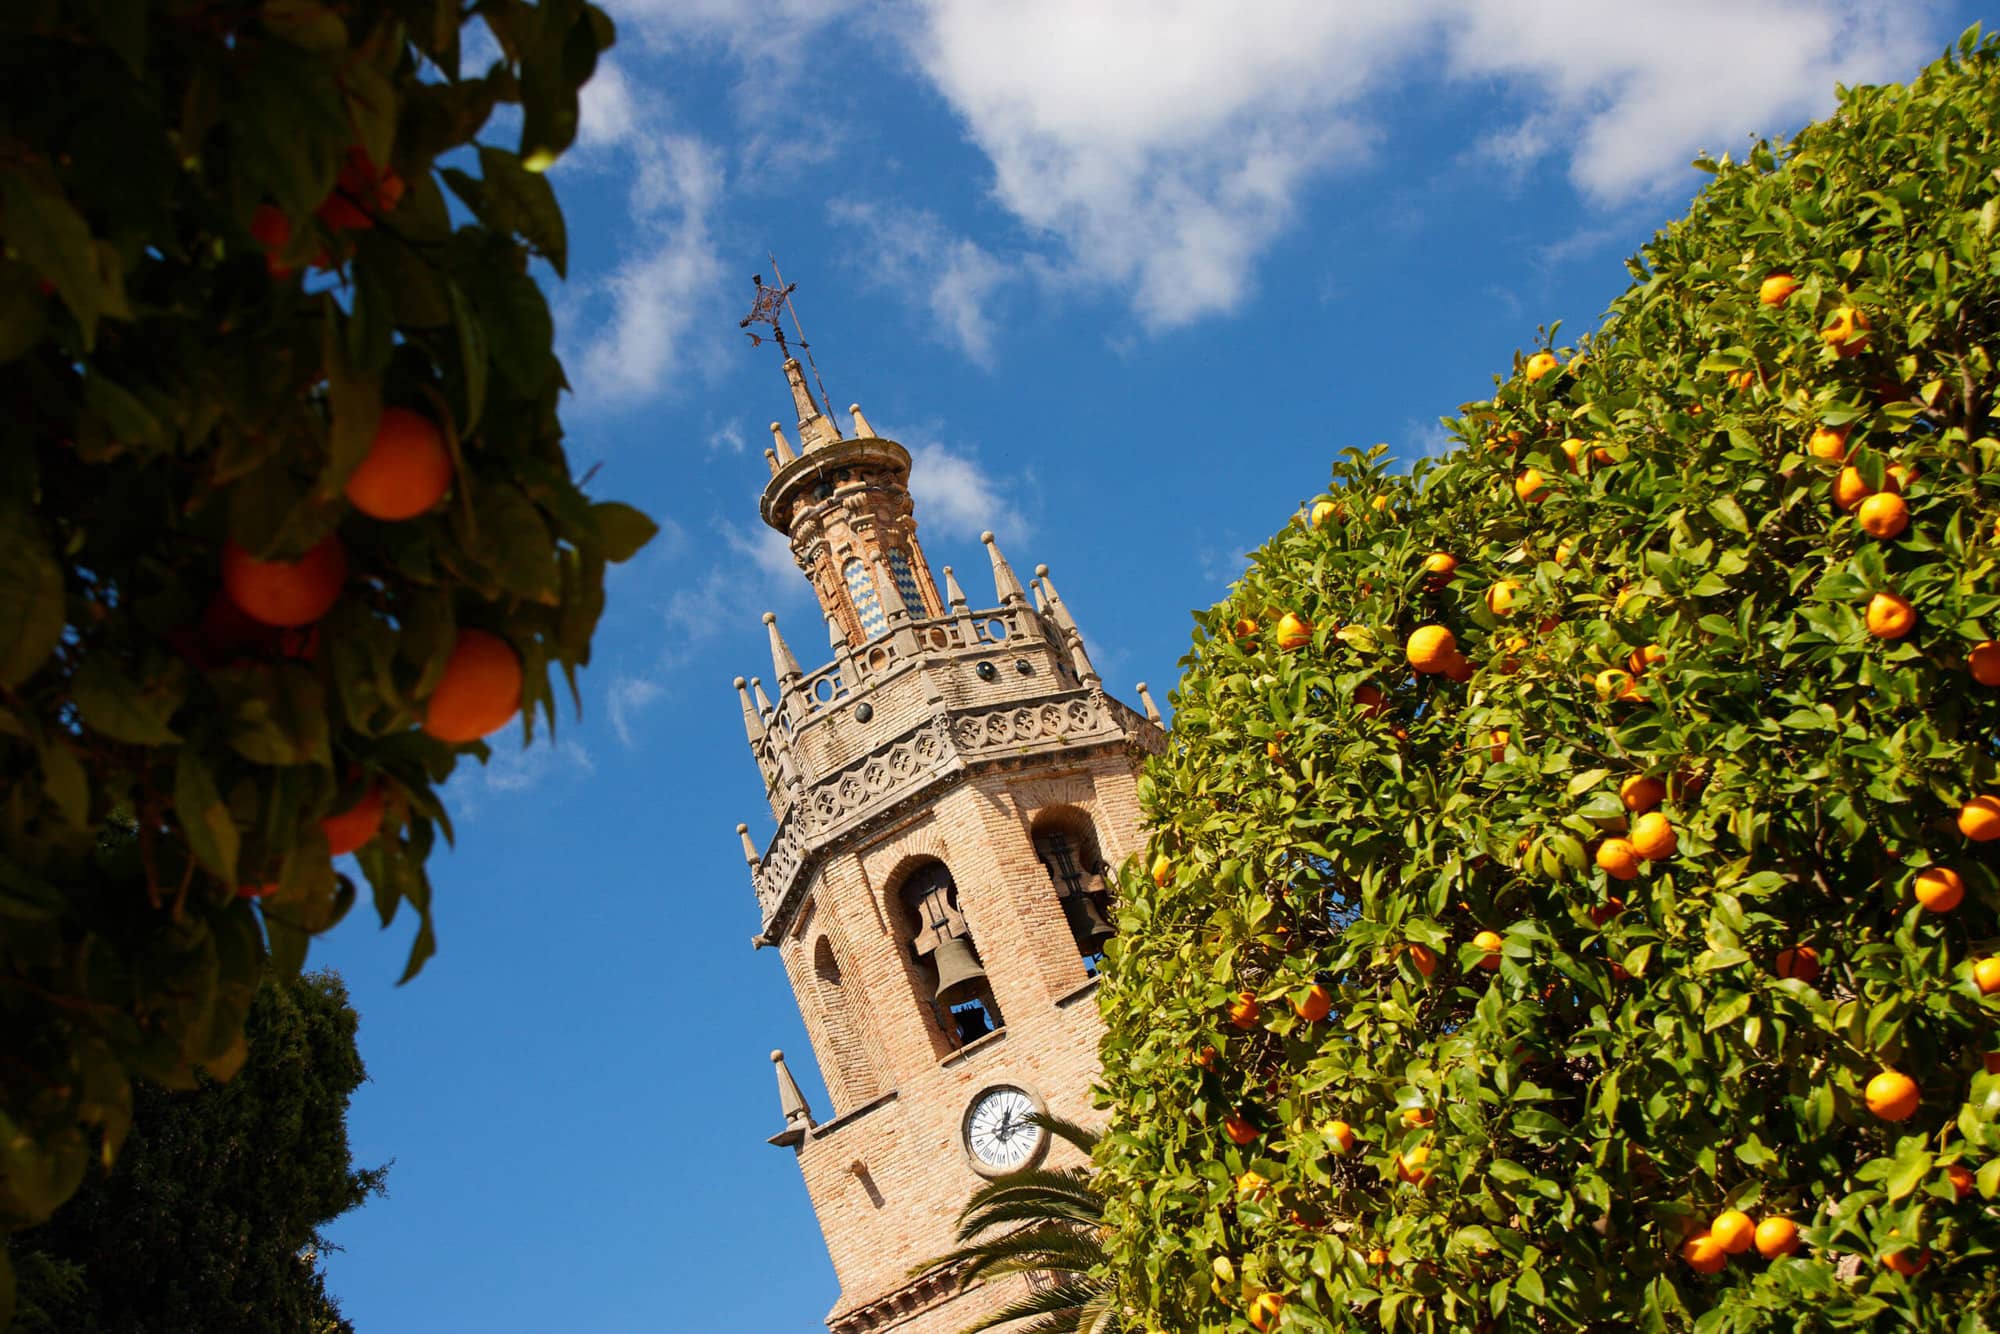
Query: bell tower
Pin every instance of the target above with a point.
(949, 793)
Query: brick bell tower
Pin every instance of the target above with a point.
(949, 793)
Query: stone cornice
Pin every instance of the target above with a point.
(920, 764)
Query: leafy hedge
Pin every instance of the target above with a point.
(230, 277)
(1670, 763)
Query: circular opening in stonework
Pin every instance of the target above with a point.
(823, 689)
(878, 659)
(938, 638)
(996, 630)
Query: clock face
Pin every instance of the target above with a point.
(998, 1132)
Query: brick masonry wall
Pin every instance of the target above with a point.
(888, 1173)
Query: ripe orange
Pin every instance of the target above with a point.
(1847, 333)
(1539, 365)
(1612, 683)
(1641, 660)
(1496, 750)
(1458, 667)
(1906, 1261)
(1960, 1178)
(1641, 793)
(1247, 628)
(1369, 696)
(1653, 838)
(1986, 975)
(1979, 819)
(1939, 888)
(1318, 1003)
(1206, 1058)
(1341, 1136)
(1992, 1062)
(1429, 648)
(1500, 597)
(1606, 910)
(1273, 751)
(1322, 511)
(362, 192)
(1892, 1095)
(272, 230)
(1984, 662)
(1576, 451)
(1440, 566)
(1883, 515)
(1418, 1116)
(1777, 289)
(1423, 958)
(1378, 1257)
(1410, 1165)
(1704, 1254)
(407, 469)
(1264, 1309)
(1239, 1130)
(1744, 378)
(1244, 1011)
(258, 891)
(1490, 942)
(1163, 870)
(1801, 962)
(1530, 487)
(1618, 859)
(1890, 616)
(480, 691)
(1829, 444)
(1253, 1184)
(285, 592)
(1733, 1231)
(1777, 1236)
(1294, 631)
(1850, 488)
(351, 828)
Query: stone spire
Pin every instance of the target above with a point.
(763, 701)
(753, 721)
(798, 1116)
(782, 661)
(782, 446)
(953, 594)
(894, 609)
(1067, 624)
(1146, 698)
(816, 429)
(749, 848)
(1004, 583)
(862, 430)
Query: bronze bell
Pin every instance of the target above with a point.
(958, 970)
(1086, 922)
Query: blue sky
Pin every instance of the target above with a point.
(1123, 276)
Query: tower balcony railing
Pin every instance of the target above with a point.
(824, 689)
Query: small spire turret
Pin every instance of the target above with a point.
(753, 719)
(764, 709)
(783, 446)
(1146, 698)
(798, 1116)
(862, 430)
(782, 662)
(749, 848)
(1005, 584)
(953, 594)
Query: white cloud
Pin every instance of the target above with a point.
(727, 438)
(637, 319)
(1629, 92)
(627, 698)
(955, 496)
(911, 250)
(512, 769)
(608, 114)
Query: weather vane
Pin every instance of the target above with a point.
(764, 310)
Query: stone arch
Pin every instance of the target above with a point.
(850, 1062)
(1071, 851)
(924, 913)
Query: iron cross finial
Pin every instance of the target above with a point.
(765, 310)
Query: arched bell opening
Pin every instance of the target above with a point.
(1066, 842)
(945, 968)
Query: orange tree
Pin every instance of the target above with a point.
(286, 524)
(1573, 888)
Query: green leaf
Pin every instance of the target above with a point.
(621, 530)
(1912, 1164)
(521, 201)
(304, 23)
(204, 817)
(116, 706)
(31, 601)
(48, 232)
(472, 360)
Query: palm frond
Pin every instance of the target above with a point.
(1029, 1209)
(1061, 1303)
(1065, 1130)
(1053, 1247)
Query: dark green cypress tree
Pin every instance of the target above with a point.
(211, 1218)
